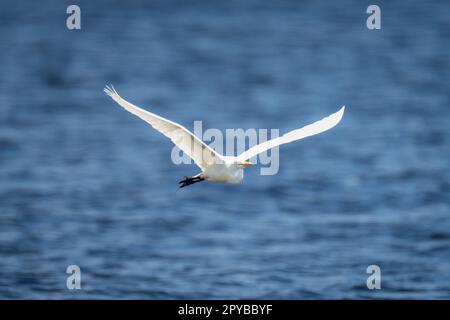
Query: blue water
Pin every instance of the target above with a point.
(84, 182)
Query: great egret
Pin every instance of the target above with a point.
(216, 167)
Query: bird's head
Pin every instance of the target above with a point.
(243, 164)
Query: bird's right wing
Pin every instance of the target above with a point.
(202, 155)
(309, 130)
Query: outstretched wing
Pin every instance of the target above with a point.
(309, 130)
(202, 155)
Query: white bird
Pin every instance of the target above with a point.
(216, 167)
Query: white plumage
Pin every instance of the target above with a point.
(216, 167)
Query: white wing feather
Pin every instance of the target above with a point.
(307, 131)
(202, 155)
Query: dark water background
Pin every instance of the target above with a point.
(83, 182)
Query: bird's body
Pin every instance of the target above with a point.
(227, 172)
(216, 167)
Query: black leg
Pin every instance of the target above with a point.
(187, 181)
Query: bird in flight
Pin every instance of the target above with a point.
(216, 167)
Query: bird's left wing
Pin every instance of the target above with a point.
(309, 130)
(202, 154)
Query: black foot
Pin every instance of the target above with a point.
(187, 181)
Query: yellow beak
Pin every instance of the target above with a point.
(247, 164)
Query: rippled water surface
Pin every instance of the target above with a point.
(83, 182)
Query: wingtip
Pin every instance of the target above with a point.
(341, 111)
(339, 114)
(110, 90)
